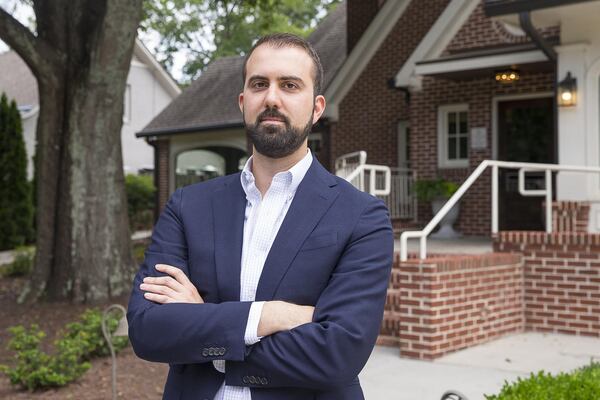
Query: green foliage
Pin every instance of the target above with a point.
(138, 252)
(36, 369)
(209, 29)
(80, 342)
(87, 335)
(581, 384)
(428, 190)
(16, 208)
(140, 201)
(22, 264)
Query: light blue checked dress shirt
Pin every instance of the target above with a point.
(262, 221)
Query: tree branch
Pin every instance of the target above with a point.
(21, 40)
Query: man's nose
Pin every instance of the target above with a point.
(273, 97)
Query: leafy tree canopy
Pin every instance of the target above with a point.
(204, 30)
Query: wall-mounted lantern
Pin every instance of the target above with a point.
(567, 91)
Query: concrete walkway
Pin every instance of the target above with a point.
(476, 371)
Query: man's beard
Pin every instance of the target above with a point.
(274, 140)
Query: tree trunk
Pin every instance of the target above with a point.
(83, 239)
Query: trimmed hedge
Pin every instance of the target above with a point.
(581, 384)
(140, 201)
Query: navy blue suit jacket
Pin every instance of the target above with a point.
(333, 251)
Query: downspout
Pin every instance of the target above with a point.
(548, 50)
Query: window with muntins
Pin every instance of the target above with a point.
(453, 136)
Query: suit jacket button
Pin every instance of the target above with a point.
(264, 381)
(245, 379)
(205, 352)
(223, 351)
(211, 351)
(253, 380)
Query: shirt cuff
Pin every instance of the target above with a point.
(251, 334)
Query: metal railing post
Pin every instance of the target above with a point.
(494, 199)
(548, 201)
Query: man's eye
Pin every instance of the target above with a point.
(290, 85)
(259, 85)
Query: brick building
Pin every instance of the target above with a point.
(431, 88)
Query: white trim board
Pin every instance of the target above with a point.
(161, 75)
(362, 53)
(437, 39)
(493, 61)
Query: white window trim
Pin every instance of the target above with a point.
(443, 161)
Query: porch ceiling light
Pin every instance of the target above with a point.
(567, 91)
(508, 76)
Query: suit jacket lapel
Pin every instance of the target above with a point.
(313, 197)
(229, 206)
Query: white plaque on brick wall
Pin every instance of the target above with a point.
(479, 138)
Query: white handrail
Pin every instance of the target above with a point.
(372, 170)
(352, 170)
(523, 168)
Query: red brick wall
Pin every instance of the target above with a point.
(369, 114)
(562, 280)
(479, 31)
(161, 174)
(449, 303)
(475, 217)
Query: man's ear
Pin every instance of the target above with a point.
(320, 104)
(241, 102)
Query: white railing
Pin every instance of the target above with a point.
(353, 168)
(523, 169)
(402, 201)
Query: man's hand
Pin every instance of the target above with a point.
(175, 288)
(280, 316)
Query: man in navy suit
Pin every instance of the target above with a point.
(269, 283)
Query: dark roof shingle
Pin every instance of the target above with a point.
(210, 102)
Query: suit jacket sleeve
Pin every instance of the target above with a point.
(181, 332)
(333, 349)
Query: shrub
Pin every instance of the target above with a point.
(139, 251)
(36, 369)
(87, 333)
(140, 201)
(428, 190)
(22, 264)
(16, 207)
(79, 342)
(581, 384)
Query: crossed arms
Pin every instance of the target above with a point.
(302, 347)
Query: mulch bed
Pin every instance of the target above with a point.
(136, 378)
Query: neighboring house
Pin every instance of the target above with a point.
(201, 133)
(149, 90)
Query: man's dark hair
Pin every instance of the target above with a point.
(281, 40)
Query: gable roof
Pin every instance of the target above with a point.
(437, 38)
(210, 102)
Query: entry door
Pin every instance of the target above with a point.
(525, 134)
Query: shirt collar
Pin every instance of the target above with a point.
(297, 173)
